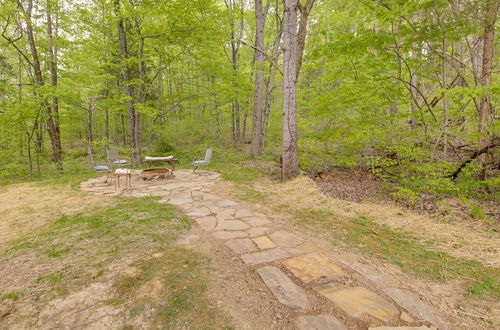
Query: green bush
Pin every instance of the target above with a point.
(162, 148)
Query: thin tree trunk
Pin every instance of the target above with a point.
(290, 65)
(53, 125)
(90, 133)
(106, 118)
(129, 90)
(257, 137)
(485, 105)
(270, 81)
(301, 36)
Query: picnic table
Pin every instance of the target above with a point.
(171, 160)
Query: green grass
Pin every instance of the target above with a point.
(236, 173)
(182, 275)
(10, 295)
(71, 252)
(398, 247)
(76, 248)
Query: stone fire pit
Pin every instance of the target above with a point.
(156, 174)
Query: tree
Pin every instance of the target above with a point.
(257, 132)
(485, 106)
(290, 166)
(51, 111)
(293, 44)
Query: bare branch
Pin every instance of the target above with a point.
(263, 52)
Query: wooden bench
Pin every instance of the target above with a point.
(155, 160)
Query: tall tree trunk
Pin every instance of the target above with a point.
(257, 136)
(53, 124)
(270, 81)
(90, 115)
(301, 36)
(290, 66)
(129, 90)
(106, 116)
(485, 105)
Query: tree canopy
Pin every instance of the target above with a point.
(406, 89)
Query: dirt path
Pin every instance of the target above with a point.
(270, 275)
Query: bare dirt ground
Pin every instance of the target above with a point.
(236, 289)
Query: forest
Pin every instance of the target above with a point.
(329, 164)
(404, 88)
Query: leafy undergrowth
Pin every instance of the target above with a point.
(72, 252)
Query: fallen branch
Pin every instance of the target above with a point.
(476, 154)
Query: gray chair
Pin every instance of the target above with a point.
(98, 168)
(205, 161)
(115, 161)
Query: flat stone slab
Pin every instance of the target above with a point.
(241, 245)
(207, 223)
(307, 248)
(229, 234)
(256, 258)
(197, 214)
(422, 327)
(241, 213)
(256, 221)
(259, 231)
(140, 194)
(358, 300)
(183, 195)
(179, 201)
(210, 197)
(319, 322)
(159, 193)
(287, 292)
(234, 225)
(226, 213)
(312, 267)
(415, 306)
(285, 239)
(203, 209)
(264, 243)
(227, 203)
(368, 272)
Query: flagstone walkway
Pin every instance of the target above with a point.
(298, 273)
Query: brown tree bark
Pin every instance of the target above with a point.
(270, 84)
(485, 105)
(129, 90)
(290, 65)
(257, 132)
(301, 36)
(52, 118)
(53, 125)
(235, 47)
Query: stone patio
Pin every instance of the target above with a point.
(295, 270)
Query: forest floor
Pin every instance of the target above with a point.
(84, 259)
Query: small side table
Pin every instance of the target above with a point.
(127, 173)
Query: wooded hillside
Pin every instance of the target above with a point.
(406, 89)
